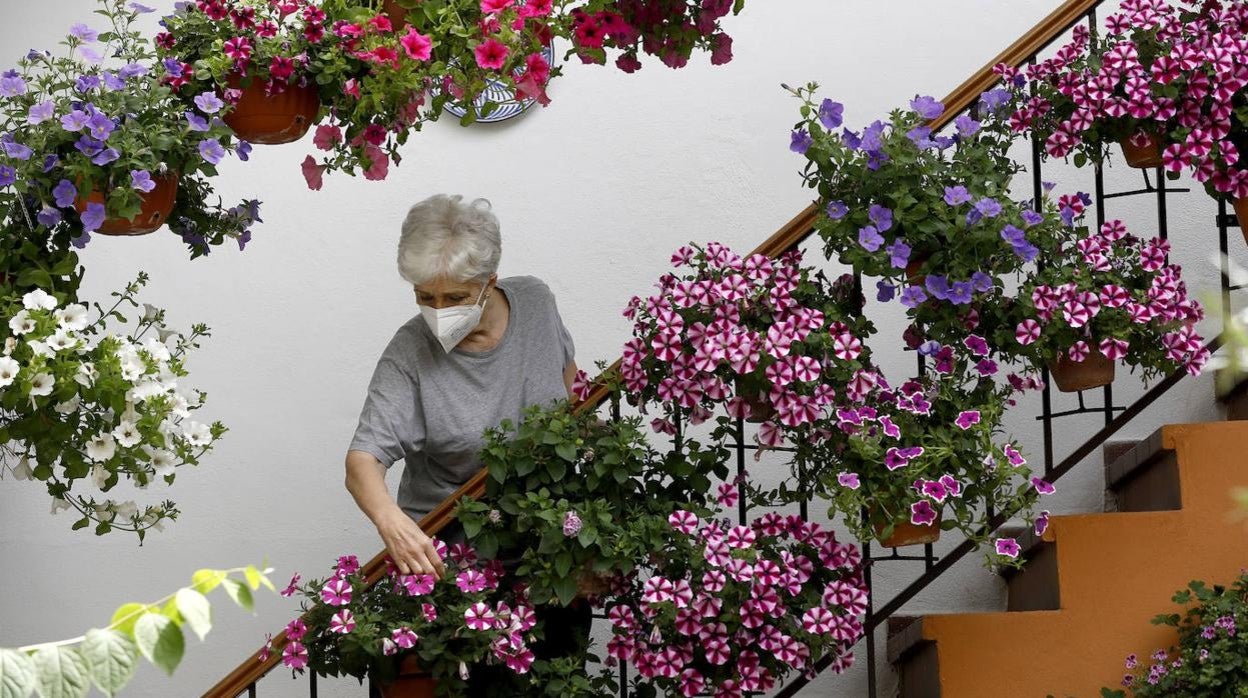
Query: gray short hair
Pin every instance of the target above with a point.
(443, 237)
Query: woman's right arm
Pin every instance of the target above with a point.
(409, 547)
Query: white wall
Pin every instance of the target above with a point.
(594, 192)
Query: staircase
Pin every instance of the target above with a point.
(1093, 581)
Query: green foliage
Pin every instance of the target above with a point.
(1211, 658)
(108, 657)
(578, 501)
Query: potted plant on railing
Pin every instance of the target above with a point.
(93, 141)
(413, 634)
(574, 502)
(727, 610)
(84, 405)
(255, 56)
(923, 212)
(762, 338)
(907, 461)
(1108, 297)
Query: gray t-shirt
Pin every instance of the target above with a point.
(431, 408)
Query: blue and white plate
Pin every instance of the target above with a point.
(495, 91)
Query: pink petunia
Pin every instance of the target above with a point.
(470, 581)
(922, 513)
(1008, 547)
(491, 54)
(291, 588)
(313, 173)
(967, 418)
(1027, 332)
(479, 617)
(417, 46)
(849, 480)
(342, 622)
(404, 637)
(295, 656)
(1042, 486)
(327, 137)
(684, 521)
(336, 592)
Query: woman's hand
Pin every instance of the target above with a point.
(409, 547)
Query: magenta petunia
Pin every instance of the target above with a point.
(342, 622)
(967, 418)
(1007, 547)
(479, 616)
(1042, 486)
(336, 592)
(922, 513)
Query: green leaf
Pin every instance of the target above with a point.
(195, 610)
(160, 641)
(61, 672)
(124, 619)
(563, 563)
(587, 536)
(17, 674)
(566, 451)
(565, 589)
(112, 657)
(239, 593)
(253, 577)
(205, 581)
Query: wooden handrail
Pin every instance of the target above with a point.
(786, 238)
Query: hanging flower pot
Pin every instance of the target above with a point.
(1143, 150)
(271, 119)
(761, 408)
(914, 271)
(397, 14)
(410, 683)
(157, 205)
(1072, 376)
(1241, 213)
(906, 533)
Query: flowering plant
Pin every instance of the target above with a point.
(86, 135)
(576, 500)
(1212, 651)
(671, 30)
(927, 447)
(762, 337)
(351, 627)
(732, 609)
(77, 402)
(1108, 292)
(898, 198)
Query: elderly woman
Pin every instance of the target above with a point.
(480, 350)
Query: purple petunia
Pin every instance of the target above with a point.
(1031, 217)
(210, 150)
(17, 151)
(988, 207)
(106, 156)
(93, 217)
(884, 291)
(1013, 235)
(1042, 486)
(937, 286)
(113, 81)
(243, 151)
(100, 126)
(956, 195)
(881, 216)
(64, 193)
(48, 217)
(831, 114)
(141, 180)
(41, 112)
(173, 68)
(50, 162)
(83, 33)
(967, 419)
(961, 292)
(913, 296)
(1008, 547)
(86, 83)
(76, 120)
(898, 254)
(921, 137)
(196, 122)
(140, 9)
(966, 126)
(209, 103)
(12, 86)
(870, 238)
(927, 107)
(800, 142)
(837, 210)
(981, 281)
(8, 176)
(849, 480)
(922, 513)
(132, 70)
(995, 98)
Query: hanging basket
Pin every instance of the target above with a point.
(1241, 213)
(272, 119)
(157, 205)
(1146, 156)
(906, 533)
(914, 271)
(761, 408)
(397, 14)
(1073, 376)
(410, 683)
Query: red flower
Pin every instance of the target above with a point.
(281, 68)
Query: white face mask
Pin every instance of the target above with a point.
(452, 324)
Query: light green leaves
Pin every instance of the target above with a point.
(17, 674)
(61, 672)
(112, 658)
(239, 593)
(195, 610)
(160, 640)
(205, 581)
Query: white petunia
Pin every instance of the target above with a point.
(104, 511)
(197, 434)
(39, 348)
(22, 323)
(10, 343)
(165, 334)
(144, 390)
(180, 406)
(39, 299)
(59, 504)
(8, 371)
(126, 510)
(152, 519)
(61, 340)
(162, 461)
(23, 471)
(101, 448)
(156, 349)
(72, 317)
(86, 374)
(127, 434)
(42, 384)
(99, 475)
(149, 312)
(132, 367)
(70, 406)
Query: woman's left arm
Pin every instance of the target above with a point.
(569, 375)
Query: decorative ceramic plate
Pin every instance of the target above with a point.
(508, 106)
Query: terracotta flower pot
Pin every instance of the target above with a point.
(1144, 156)
(270, 119)
(157, 205)
(397, 14)
(761, 408)
(591, 583)
(1241, 212)
(1072, 376)
(914, 271)
(906, 533)
(411, 682)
